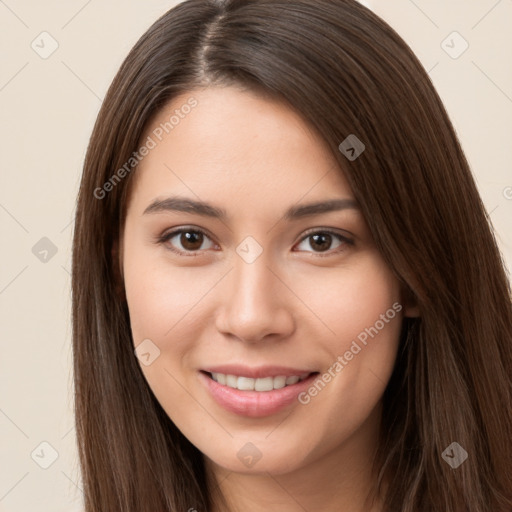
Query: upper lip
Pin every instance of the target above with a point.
(257, 372)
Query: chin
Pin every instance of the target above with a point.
(249, 459)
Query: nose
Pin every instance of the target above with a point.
(255, 304)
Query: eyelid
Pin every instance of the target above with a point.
(171, 233)
(331, 231)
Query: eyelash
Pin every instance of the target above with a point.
(163, 239)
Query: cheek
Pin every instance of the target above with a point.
(164, 303)
(163, 299)
(352, 298)
(362, 306)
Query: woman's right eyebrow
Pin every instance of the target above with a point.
(188, 205)
(183, 204)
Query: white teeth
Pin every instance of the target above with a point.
(219, 377)
(279, 382)
(266, 384)
(231, 381)
(262, 384)
(245, 383)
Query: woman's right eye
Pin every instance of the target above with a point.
(186, 241)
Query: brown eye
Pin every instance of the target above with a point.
(322, 242)
(189, 242)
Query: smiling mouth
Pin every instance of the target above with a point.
(260, 393)
(257, 384)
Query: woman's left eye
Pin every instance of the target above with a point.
(190, 241)
(321, 242)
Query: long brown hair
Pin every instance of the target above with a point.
(347, 72)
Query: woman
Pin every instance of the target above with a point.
(286, 293)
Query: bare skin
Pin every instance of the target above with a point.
(301, 303)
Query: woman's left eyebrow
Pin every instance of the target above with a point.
(188, 205)
(331, 205)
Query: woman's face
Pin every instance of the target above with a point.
(257, 288)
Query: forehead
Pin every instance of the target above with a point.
(236, 146)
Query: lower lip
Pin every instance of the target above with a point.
(254, 404)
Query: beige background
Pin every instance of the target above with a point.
(48, 108)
